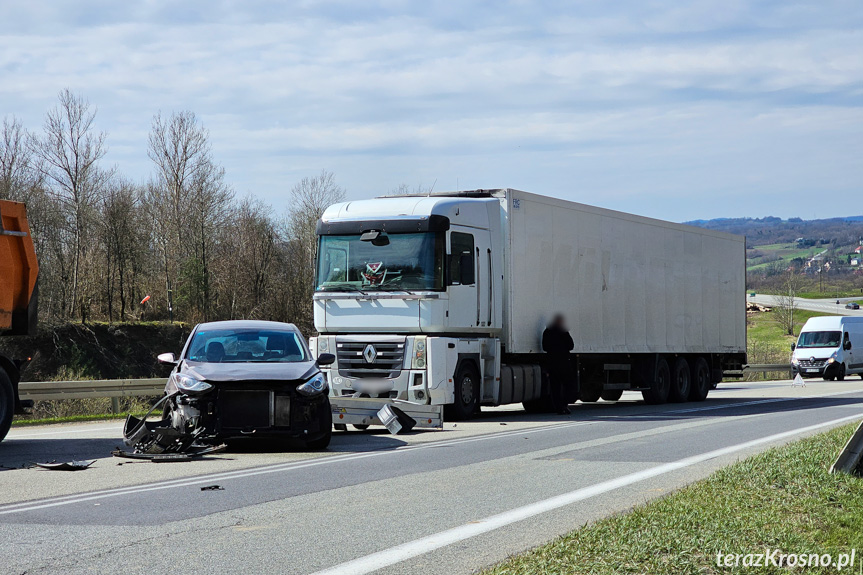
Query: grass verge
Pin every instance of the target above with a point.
(781, 499)
(73, 419)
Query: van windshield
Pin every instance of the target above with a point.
(819, 339)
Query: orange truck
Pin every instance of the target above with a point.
(19, 272)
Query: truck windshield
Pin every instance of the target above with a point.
(396, 262)
(819, 339)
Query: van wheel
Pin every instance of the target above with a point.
(611, 394)
(841, 375)
(660, 384)
(466, 393)
(680, 381)
(700, 383)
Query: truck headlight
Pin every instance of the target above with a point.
(314, 386)
(189, 384)
(323, 344)
(419, 358)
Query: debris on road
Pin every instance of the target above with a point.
(396, 420)
(162, 442)
(65, 466)
(213, 488)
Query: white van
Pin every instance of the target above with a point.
(830, 347)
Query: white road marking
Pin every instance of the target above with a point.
(417, 547)
(60, 433)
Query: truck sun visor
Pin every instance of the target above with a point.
(433, 223)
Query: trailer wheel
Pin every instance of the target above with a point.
(660, 384)
(611, 394)
(7, 404)
(466, 403)
(681, 382)
(700, 386)
(361, 426)
(591, 394)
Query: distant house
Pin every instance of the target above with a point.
(855, 261)
(858, 250)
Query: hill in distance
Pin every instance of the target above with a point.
(843, 231)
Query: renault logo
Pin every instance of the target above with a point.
(370, 353)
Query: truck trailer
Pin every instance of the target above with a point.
(442, 299)
(18, 297)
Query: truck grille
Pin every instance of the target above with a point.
(813, 363)
(383, 359)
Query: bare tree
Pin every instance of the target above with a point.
(786, 300)
(189, 199)
(16, 174)
(404, 189)
(68, 152)
(309, 198)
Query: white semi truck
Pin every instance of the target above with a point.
(441, 300)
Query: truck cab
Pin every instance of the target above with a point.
(408, 288)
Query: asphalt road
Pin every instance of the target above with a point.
(448, 501)
(827, 305)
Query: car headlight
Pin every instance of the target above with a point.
(189, 384)
(419, 358)
(314, 386)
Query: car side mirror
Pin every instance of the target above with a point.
(326, 359)
(793, 346)
(167, 359)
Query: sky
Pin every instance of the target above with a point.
(670, 109)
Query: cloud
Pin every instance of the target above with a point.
(662, 107)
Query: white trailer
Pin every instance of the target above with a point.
(442, 300)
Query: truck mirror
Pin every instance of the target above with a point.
(793, 346)
(847, 345)
(167, 358)
(326, 359)
(465, 269)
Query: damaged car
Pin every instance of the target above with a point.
(239, 379)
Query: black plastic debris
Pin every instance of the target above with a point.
(66, 465)
(192, 452)
(213, 488)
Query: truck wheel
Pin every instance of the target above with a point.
(680, 382)
(542, 405)
(466, 382)
(611, 394)
(840, 375)
(591, 394)
(659, 387)
(700, 386)
(7, 404)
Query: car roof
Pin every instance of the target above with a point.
(248, 324)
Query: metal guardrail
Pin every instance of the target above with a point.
(761, 368)
(48, 390)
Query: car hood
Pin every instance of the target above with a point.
(249, 371)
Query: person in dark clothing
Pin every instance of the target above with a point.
(557, 343)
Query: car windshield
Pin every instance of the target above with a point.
(394, 262)
(246, 346)
(819, 339)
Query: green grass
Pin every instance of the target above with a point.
(785, 252)
(72, 419)
(782, 499)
